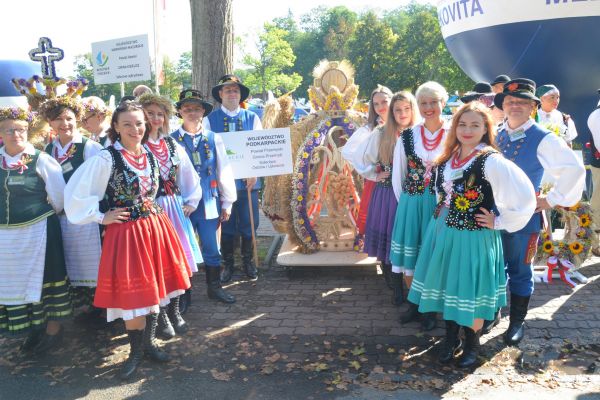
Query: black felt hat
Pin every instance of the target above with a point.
(521, 87)
(500, 79)
(193, 96)
(480, 89)
(230, 80)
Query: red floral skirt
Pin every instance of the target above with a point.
(142, 262)
(365, 198)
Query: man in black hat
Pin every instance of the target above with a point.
(498, 83)
(231, 117)
(207, 152)
(537, 152)
(482, 91)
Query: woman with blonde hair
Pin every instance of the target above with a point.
(378, 156)
(354, 151)
(94, 119)
(412, 178)
(460, 269)
(178, 194)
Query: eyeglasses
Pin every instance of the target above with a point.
(13, 131)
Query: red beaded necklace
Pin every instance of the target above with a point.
(431, 144)
(160, 150)
(456, 163)
(139, 162)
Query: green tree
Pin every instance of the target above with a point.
(274, 55)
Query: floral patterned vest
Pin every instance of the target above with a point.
(168, 174)
(467, 194)
(415, 182)
(127, 189)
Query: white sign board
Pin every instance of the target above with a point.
(259, 153)
(121, 60)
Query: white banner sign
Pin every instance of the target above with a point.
(121, 60)
(456, 16)
(259, 153)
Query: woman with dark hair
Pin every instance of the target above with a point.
(143, 264)
(179, 192)
(353, 152)
(82, 243)
(460, 269)
(34, 291)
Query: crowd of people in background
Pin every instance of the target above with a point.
(116, 221)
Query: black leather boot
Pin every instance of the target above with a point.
(185, 301)
(248, 258)
(32, 340)
(150, 348)
(398, 288)
(428, 321)
(165, 329)
(518, 311)
(177, 321)
(471, 350)
(411, 315)
(452, 344)
(489, 325)
(136, 352)
(228, 259)
(213, 285)
(386, 269)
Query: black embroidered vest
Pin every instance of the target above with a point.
(169, 186)
(415, 181)
(124, 189)
(469, 193)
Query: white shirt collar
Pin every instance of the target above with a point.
(77, 138)
(528, 124)
(230, 113)
(29, 149)
(183, 131)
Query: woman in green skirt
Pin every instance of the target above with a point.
(34, 294)
(460, 270)
(412, 177)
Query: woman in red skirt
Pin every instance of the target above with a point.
(143, 264)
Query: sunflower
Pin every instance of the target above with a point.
(584, 220)
(462, 203)
(300, 198)
(581, 233)
(471, 194)
(548, 246)
(576, 247)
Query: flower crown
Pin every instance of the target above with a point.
(94, 108)
(64, 101)
(16, 113)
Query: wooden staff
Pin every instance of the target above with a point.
(251, 209)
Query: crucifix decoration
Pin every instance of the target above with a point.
(47, 55)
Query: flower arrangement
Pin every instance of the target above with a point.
(16, 113)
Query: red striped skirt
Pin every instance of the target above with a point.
(365, 198)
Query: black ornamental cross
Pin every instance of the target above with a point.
(47, 55)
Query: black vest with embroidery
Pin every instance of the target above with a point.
(23, 196)
(76, 159)
(123, 189)
(415, 182)
(387, 182)
(469, 193)
(169, 186)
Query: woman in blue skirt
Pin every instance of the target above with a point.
(412, 178)
(460, 270)
(377, 159)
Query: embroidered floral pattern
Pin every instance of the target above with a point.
(418, 176)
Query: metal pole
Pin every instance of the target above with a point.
(250, 208)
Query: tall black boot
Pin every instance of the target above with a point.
(489, 325)
(411, 315)
(518, 311)
(177, 321)
(136, 352)
(428, 321)
(398, 287)
(452, 344)
(213, 285)
(386, 269)
(471, 350)
(248, 258)
(228, 259)
(185, 301)
(150, 348)
(165, 329)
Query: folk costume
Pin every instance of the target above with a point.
(82, 243)
(143, 264)
(224, 121)
(208, 156)
(33, 278)
(555, 159)
(555, 121)
(460, 269)
(354, 152)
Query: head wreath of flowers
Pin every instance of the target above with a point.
(64, 101)
(16, 113)
(150, 98)
(93, 108)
